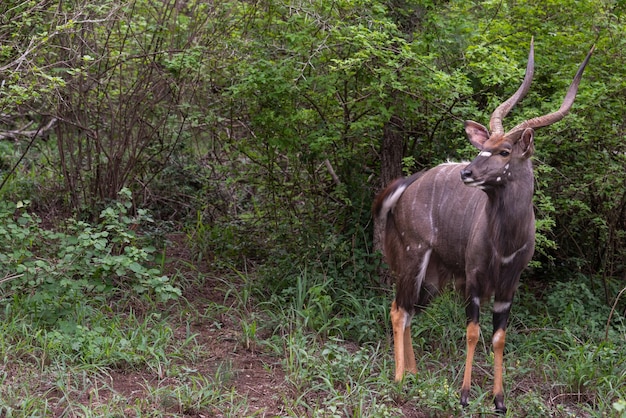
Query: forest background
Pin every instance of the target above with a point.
(261, 131)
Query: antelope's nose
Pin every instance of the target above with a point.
(466, 174)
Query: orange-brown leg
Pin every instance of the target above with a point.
(473, 333)
(402, 347)
(498, 351)
(472, 311)
(409, 355)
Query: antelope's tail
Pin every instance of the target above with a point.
(386, 200)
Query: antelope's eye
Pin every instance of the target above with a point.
(505, 153)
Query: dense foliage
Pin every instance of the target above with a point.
(275, 122)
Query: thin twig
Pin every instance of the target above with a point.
(23, 132)
(608, 321)
(332, 172)
(9, 278)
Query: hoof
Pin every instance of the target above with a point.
(464, 398)
(500, 408)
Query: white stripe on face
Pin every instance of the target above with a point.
(485, 154)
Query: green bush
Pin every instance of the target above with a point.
(53, 272)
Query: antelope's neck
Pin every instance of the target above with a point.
(510, 211)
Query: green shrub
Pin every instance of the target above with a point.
(577, 309)
(52, 272)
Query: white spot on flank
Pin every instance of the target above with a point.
(499, 179)
(485, 154)
(408, 248)
(506, 167)
(501, 306)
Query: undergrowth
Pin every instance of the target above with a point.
(555, 366)
(321, 309)
(84, 303)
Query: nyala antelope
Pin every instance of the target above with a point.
(437, 229)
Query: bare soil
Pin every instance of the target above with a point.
(254, 375)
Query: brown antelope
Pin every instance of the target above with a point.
(481, 237)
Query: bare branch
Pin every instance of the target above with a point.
(14, 134)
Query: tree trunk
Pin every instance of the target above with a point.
(391, 152)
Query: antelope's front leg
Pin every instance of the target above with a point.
(501, 311)
(472, 311)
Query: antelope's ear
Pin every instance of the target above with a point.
(476, 133)
(527, 142)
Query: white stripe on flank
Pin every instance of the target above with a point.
(422, 273)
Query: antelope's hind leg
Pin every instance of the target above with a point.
(409, 356)
(473, 333)
(402, 344)
(413, 291)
